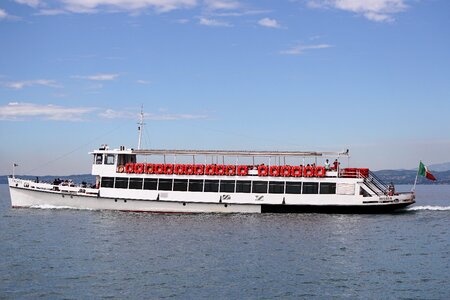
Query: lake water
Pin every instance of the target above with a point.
(74, 254)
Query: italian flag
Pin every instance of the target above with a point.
(423, 171)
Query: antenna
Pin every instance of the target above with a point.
(141, 127)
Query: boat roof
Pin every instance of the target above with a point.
(236, 153)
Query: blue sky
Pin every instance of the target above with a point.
(372, 76)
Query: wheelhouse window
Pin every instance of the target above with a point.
(243, 186)
(109, 159)
(310, 187)
(227, 186)
(150, 184)
(276, 187)
(259, 187)
(165, 185)
(328, 188)
(212, 186)
(293, 187)
(180, 185)
(121, 183)
(98, 159)
(107, 182)
(136, 183)
(195, 185)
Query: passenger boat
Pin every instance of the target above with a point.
(216, 181)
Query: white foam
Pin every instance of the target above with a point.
(429, 207)
(47, 206)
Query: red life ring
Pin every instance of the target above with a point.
(210, 170)
(120, 169)
(180, 169)
(189, 170)
(159, 169)
(231, 170)
(242, 170)
(220, 169)
(296, 171)
(129, 168)
(308, 171)
(285, 171)
(149, 168)
(274, 171)
(263, 170)
(139, 168)
(320, 171)
(168, 169)
(199, 169)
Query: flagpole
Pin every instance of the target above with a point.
(415, 181)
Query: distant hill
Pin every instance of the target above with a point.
(396, 176)
(440, 167)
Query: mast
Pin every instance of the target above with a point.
(140, 127)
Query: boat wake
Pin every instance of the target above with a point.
(429, 207)
(47, 206)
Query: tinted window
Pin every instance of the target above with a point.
(150, 184)
(107, 182)
(109, 159)
(259, 187)
(121, 183)
(243, 186)
(165, 185)
(310, 188)
(211, 185)
(195, 185)
(98, 159)
(180, 185)
(276, 187)
(136, 183)
(293, 187)
(227, 186)
(328, 188)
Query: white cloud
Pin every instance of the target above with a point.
(300, 49)
(374, 10)
(17, 85)
(142, 81)
(51, 12)
(213, 22)
(99, 77)
(267, 22)
(222, 4)
(93, 6)
(32, 3)
(19, 111)
(114, 114)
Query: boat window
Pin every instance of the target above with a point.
(243, 186)
(98, 159)
(195, 185)
(180, 185)
(259, 187)
(165, 185)
(310, 187)
(150, 184)
(107, 182)
(211, 185)
(276, 187)
(293, 187)
(328, 188)
(109, 159)
(227, 186)
(121, 183)
(136, 183)
(364, 193)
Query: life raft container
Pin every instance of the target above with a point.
(220, 169)
(308, 171)
(149, 168)
(296, 171)
(263, 170)
(129, 168)
(189, 170)
(139, 168)
(199, 169)
(274, 171)
(231, 170)
(168, 169)
(159, 169)
(179, 169)
(210, 170)
(242, 170)
(320, 171)
(285, 171)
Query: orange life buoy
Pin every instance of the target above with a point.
(189, 169)
(139, 168)
(242, 170)
(308, 171)
(220, 169)
(129, 168)
(320, 171)
(296, 171)
(263, 170)
(285, 171)
(168, 169)
(159, 169)
(210, 170)
(149, 168)
(274, 171)
(231, 170)
(179, 169)
(199, 169)
(120, 169)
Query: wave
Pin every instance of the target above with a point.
(430, 207)
(47, 206)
